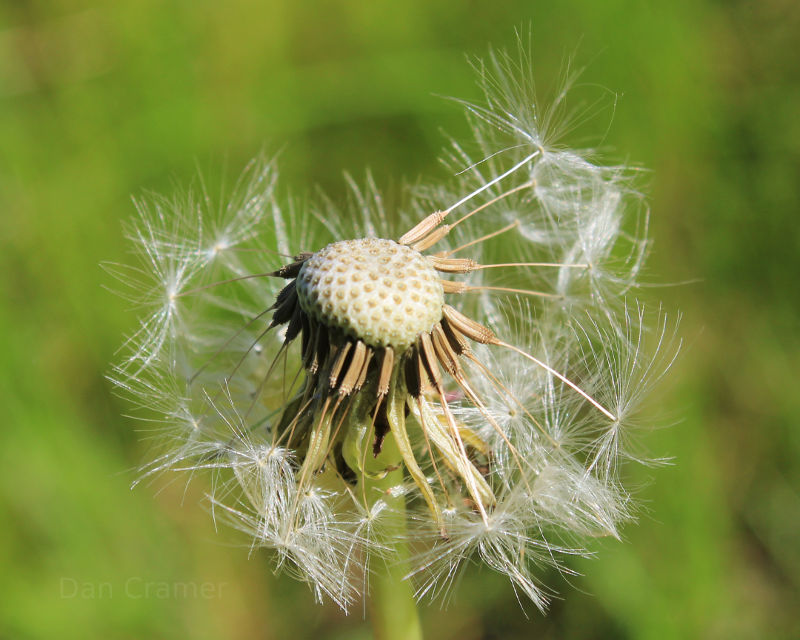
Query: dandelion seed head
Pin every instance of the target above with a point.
(482, 367)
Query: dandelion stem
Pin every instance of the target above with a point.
(392, 603)
(394, 609)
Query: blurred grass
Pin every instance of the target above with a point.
(99, 101)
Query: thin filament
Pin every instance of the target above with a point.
(561, 377)
(221, 282)
(530, 264)
(488, 236)
(500, 387)
(492, 182)
(491, 202)
(526, 292)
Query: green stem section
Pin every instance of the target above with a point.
(392, 603)
(394, 609)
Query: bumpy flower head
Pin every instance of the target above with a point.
(477, 371)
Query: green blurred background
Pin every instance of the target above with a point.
(101, 100)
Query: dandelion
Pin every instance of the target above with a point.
(380, 406)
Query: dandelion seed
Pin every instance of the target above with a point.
(467, 382)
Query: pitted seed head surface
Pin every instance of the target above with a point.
(378, 291)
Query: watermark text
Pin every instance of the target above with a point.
(139, 588)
